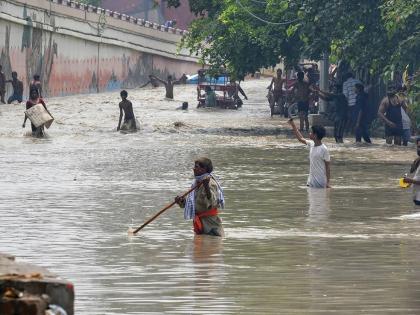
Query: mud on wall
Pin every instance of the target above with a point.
(32, 41)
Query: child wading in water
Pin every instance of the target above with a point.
(319, 157)
(202, 204)
(415, 180)
(126, 108)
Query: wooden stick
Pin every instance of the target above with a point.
(166, 208)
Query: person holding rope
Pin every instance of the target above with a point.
(202, 204)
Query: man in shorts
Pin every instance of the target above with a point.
(301, 90)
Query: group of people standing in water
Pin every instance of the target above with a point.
(349, 106)
(35, 96)
(203, 203)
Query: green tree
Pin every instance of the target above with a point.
(245, 35)
(401, 19)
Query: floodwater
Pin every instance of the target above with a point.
(67, 201)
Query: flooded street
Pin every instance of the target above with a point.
(67, 201)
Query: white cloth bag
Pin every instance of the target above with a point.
(39, 116)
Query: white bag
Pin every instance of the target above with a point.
(39, 116)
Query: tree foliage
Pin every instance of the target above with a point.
(401, 19)
(377, 35)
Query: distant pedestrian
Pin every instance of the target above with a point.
(312, 74)
(302, 93)
(169, 85)
(390, 112)
(276, 87)
(350, 94)
(340, 110)
(233, 92)
(210, 97)
(126, 110)
(170, 23)
(319, 157)
(36, 84)
(2, 85)
(363, 119)
(17, 89)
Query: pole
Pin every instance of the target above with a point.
(323, 80)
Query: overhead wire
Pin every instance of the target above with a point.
(261, 19)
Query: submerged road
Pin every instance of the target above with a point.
(67, 201)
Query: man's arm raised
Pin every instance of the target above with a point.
(158, 79)
(297, 132)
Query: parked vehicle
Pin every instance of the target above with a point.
(222, 88)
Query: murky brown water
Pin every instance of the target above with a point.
(66, 203)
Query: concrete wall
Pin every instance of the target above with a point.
(81, 49)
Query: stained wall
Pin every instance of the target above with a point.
(81, 49)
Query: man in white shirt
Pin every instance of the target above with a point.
(319, 157)
(349, 91)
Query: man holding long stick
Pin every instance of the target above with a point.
(202, 204)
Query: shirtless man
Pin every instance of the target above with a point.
(278, 83)
(36, 84)
(169, 85)
(129, 120)
(302, 91)
(234, 91)
(390, 112)
(2, 85)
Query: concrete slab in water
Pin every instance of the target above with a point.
(29, 289)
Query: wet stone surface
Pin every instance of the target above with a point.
(29, 289)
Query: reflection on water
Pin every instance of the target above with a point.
(66, 203)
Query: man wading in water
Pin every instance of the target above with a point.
(278, 83)
(302, 92)
(35, 100)
(319, 157)
(129, 120)
(17, 89)
(169, 85)
(390, 112)
(202, 204)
